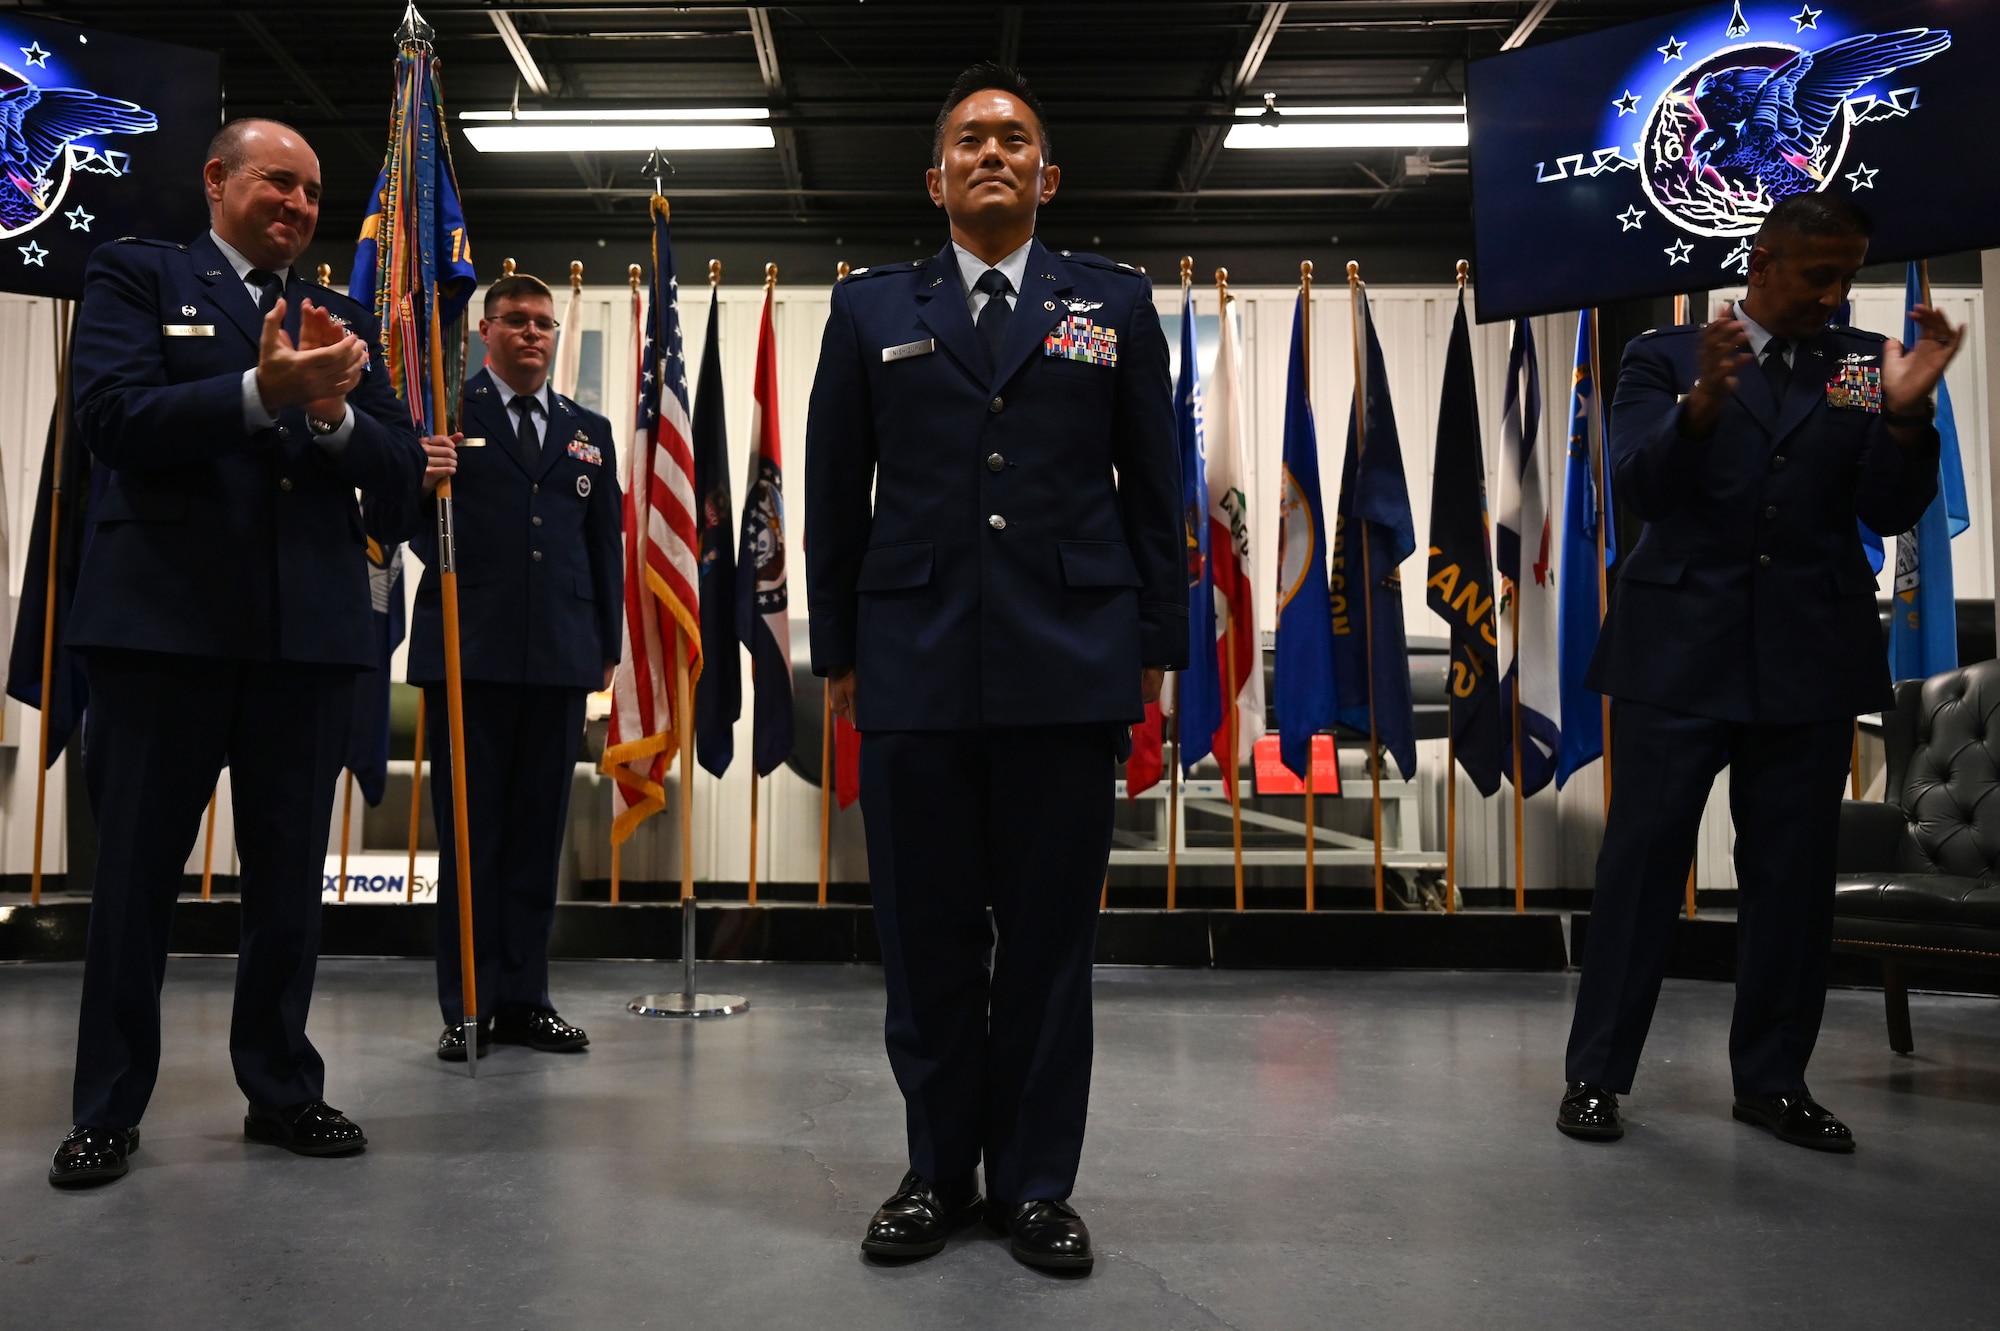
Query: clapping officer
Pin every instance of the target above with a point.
(221, 611)
(992, 619)
(1743, 634)
(540, 603)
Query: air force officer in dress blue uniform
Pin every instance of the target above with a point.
(540, 596)
(221, 611)
(993, 544)
(1743, 634)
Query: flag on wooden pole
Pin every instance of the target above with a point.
(569, 342)
(763, 600)
(1197, 704)
(1303, 682)
(1240, 656)
(1528, 628)
(662, 552)
(719, 700)
(1584, 556)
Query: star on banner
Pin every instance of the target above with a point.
(1863, 176)
(79, 220)
(1632, 218)
(31, 253)
(1678, 252)
(1628, 104)
(1807, 17)
(1672, 50)
(36, 55)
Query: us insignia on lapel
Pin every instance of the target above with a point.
(583, 450)
(1078, 338)
(1856, 387)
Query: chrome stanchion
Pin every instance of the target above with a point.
(689, 1002)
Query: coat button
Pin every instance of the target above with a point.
(997, 523)
(996, 404)
(536, 521)
(534, 489)
(284, 482)
(1778, 463)
(537, 557)
(994, 462)
(284, 432)
(1763, 561)
(1771, 512)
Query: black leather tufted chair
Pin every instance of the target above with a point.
(1919, 877)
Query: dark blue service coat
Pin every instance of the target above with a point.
(1020, 558)
(541, 573)
(212, 540)
(1749, 597)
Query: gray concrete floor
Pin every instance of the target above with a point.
(1266, 1150)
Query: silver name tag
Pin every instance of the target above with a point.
(472, 441)
(188, 330)
(909, 349)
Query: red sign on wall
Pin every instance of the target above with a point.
(1274, 778)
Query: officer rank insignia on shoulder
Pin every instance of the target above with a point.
(1078, 338)
(1857, 385)
(583, 450)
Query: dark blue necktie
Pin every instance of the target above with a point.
(1777, 373)
(993, 316)
(530, 447)
(269, 284)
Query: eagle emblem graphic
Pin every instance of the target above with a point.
(37, 126)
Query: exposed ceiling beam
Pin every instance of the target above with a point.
(517, 47)
(1527, 26)
(303, 81)
(1206, 144)
(774, 88)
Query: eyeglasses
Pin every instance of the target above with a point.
(520, 322)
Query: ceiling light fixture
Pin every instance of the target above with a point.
(618, 115)
(639, 138)
(1274, 126)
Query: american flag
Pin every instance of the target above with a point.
(662, 550)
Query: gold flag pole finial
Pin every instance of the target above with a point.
(1187, 269)
(715, 272)
(325, 275)
(770, 276)
(840, 274)
(1464, 272)
(1353, 272)
(632, 276)
(1306, 274)
(506, 268)
(1222, 282)
(576, 274)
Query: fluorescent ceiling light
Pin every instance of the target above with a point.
(518, 138)
(1348, 127)
(1377, 112)
(608, 114)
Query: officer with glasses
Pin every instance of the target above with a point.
(541, 589)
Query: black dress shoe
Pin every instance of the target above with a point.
(1048, 1234)
(541, 1030)
(1798, 1119)
(89, 1156)
(313, 1128)
(451, 1045)
(917, 1220)
(1589, 1113)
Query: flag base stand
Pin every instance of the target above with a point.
(688, 1002)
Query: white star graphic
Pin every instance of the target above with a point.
(1632, 218)
(1807, 17)
(1862, 176)
(1628, 104)
(1678, 252)
(1672, 50)
(31, 253)
(36, 55)
(79, 220)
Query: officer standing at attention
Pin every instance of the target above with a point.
(540, 601)
(992, 620)
(1743, 634)
(221, 611)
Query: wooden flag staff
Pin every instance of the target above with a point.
(1305, 355)
(1451, 748)
(65, 315)
(1233, 764)
(631, 479)
(1681, 314)
(416, 800)
(346, 826)
(1367, 576)
(208, 849)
